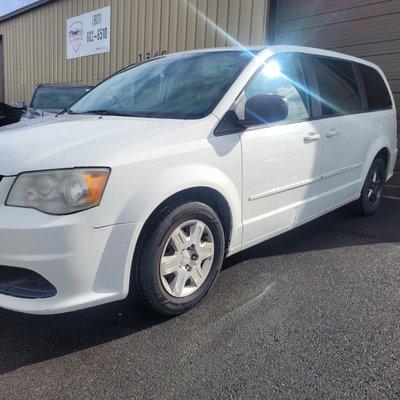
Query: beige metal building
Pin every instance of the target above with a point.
(33, 40)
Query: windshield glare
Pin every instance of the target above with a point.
(179, 86)
(56, 98)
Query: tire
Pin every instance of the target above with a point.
(169, 246)
(372, 193)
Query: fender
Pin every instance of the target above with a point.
(381, 143)
(145, 201)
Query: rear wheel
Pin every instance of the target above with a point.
(180, 258)
(372, 192)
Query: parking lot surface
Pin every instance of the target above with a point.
(314, 313)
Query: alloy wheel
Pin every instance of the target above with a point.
(375, 187)
(187, 258)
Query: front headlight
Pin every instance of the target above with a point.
(59, 192)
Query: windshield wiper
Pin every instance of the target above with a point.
(100, 112)
(97, 112)
(113, 113)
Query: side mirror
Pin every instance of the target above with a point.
(18, 104)
(265, 109)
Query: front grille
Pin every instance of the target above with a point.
(26, 284)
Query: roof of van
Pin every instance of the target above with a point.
(285, 49)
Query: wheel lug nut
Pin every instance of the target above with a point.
(188, 268)
(195, 257)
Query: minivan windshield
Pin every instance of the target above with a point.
(185, 86)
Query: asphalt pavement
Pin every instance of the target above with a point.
(313, 314)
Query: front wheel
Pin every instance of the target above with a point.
(372, 192)
(180, 258)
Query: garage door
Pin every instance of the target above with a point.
(369, 29)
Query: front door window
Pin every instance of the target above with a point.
(282, 75)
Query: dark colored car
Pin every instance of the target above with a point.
(50, 99)
(9, 115)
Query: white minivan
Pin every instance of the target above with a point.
(146, 183)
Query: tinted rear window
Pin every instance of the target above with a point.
(378, 96)
(338, 87)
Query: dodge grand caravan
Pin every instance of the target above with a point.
(146, 183)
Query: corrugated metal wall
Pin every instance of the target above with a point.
(369, 29)
(35, 42)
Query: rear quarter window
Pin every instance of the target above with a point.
(378, 96)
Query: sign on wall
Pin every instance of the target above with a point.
(88, 33)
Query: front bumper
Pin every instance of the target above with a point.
(87, 266)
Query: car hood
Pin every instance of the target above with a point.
(80, 140)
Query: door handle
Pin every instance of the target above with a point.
(332, 133)
(312, 137)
